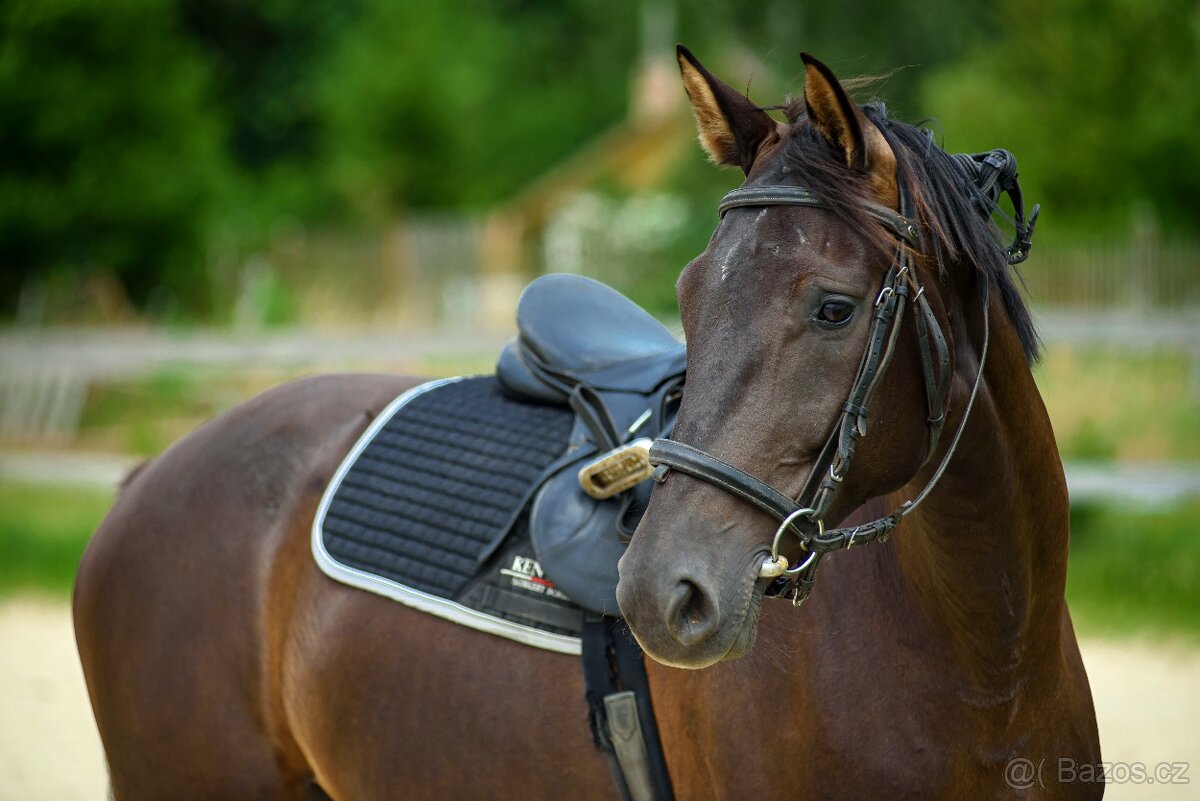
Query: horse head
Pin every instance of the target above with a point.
(842, 212)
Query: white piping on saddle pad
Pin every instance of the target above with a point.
(431, 604)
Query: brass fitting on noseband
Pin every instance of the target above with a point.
(777, 564)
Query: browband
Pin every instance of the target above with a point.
(800, 196)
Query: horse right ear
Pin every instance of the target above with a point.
(733, 130)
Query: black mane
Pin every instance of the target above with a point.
(943, 195)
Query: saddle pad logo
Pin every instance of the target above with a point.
(527, 574)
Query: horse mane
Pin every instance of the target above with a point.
(945, 199)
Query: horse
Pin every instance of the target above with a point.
(221, 663)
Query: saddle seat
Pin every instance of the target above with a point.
(573, 330)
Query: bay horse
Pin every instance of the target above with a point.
(221, 663)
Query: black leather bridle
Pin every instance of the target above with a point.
(991, 173)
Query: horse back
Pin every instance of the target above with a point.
(220, 660)
(176, 590)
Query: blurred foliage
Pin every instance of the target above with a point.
(159, 142)
(1127, 406)
(145, 416)
(855, 38)
(1135, 570)
(1098, 101)
(111, 153)
(461, 104)
(45, 531)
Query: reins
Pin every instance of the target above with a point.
(991, 173)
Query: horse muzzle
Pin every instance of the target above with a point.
(692, 616)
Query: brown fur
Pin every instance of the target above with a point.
(919, 667)
(841, 122)
(221, 663)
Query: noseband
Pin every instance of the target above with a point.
(992, 173)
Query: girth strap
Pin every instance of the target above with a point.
(615, 676)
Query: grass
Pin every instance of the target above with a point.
(1124, 406)
(43, 531)
(144, 416)
(1132, 571)
(1136, 571)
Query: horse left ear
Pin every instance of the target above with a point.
(846, 128)
(733, 130)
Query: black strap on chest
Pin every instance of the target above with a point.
(620, 712)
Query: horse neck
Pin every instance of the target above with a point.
(985, 555)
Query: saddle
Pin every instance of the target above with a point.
(504, 502)
(585, 346)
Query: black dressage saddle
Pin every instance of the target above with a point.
(575, 331)
(585, 346)
(504, 502)
(513, 495)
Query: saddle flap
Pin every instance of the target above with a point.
(577, 539)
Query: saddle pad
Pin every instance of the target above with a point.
(425, 499)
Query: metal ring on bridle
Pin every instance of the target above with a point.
(800, 568)
(776, 565)
(786, 525)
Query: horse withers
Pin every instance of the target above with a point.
(222, 663)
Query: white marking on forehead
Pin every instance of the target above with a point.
(726, 261)
(725, 264)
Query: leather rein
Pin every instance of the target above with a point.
(992, 173)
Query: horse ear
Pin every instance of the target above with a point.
(732, 129)
(847, 129)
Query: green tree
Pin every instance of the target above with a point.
(1098, 102)
(110, 154)
(854, 37)
(461, 104)
(267, 60)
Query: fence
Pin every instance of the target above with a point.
(425, 270)
(420, 271)
(1143, 274)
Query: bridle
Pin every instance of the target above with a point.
(991, 173)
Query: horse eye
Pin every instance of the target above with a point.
(836, 312)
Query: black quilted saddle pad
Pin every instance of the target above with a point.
(430, 508)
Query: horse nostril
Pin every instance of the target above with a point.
(691, 617)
